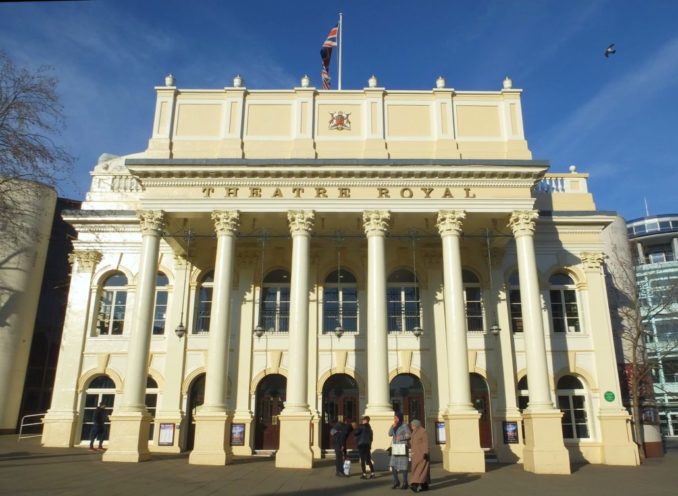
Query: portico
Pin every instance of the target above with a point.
(285, 250)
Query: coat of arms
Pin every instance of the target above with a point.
(340, 120)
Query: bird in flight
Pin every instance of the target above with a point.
(610, 50)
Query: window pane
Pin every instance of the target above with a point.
(516, 311)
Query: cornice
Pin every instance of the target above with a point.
(292, 181)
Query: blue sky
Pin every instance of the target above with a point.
(615, 118)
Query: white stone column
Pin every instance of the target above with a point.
(61, 420)
(213, 423)
(618, 447)
(462, 451)
(244, 411)
(545, 451)
(170, 407)
(376, 224)
(130, 422)
(295, 419)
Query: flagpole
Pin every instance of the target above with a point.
(341, 41)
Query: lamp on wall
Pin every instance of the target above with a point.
(180, 330)
(417, 330)
(259, 329)
(494, 328)
(339, 330)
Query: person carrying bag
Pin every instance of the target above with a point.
(399, 463)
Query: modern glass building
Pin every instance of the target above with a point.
(655, 239)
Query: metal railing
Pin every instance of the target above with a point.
(32, 423)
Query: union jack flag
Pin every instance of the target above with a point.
(326, 56)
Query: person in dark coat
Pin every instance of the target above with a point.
(98, 427)
(364, 435)
(339, 433)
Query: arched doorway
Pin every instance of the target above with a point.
(407, 396)
(196, 397)
(270, 397)
(100, 390)
(480, 397)
(340, 403)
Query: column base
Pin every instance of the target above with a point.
(295, 441)
(507, 453)
(248, 419)
(170, 418)
(618, 446)
(212, 444)
(59, 429)
(380, 421)
(462, 452)
(545, 451)
(316, 437)
(128, 441)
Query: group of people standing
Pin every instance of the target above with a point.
(409, 451)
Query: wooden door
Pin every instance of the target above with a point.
(340, 403)
(269, 404)
(407, 397)
(481, 401)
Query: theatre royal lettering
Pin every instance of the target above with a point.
(338, 192)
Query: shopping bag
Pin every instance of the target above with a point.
(399, 449)
(347, 467)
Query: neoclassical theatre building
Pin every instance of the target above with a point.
(278, 260)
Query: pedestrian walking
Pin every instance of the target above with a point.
(339, 433)
(421, 467)
(399, 463)
(98, 427)
(364, 435)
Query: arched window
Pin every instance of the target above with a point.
(204, 303)
(473, 300)
(515, 306)
(572, 402)
(112, 303)
(160, 312)
(340, 302)
(564, 312)
(275, 301)
(403, 301)
(100, 390)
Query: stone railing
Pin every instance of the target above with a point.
(562, 183)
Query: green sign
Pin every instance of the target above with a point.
(609, 396)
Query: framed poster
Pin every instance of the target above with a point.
(440, 433)
(237, 434)
(166, 435)
(510, 430)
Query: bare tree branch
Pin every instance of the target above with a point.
(31, 117)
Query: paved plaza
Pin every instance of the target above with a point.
(27, 468)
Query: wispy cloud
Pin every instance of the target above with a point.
(621, 97)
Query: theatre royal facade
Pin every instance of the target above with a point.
(278, 260)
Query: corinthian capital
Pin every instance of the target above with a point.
(300, 221)
(151, 221)
(226, 222)
(85, 260)
(376, 220)
(592, 260)
(450, 221)
(522, 222)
